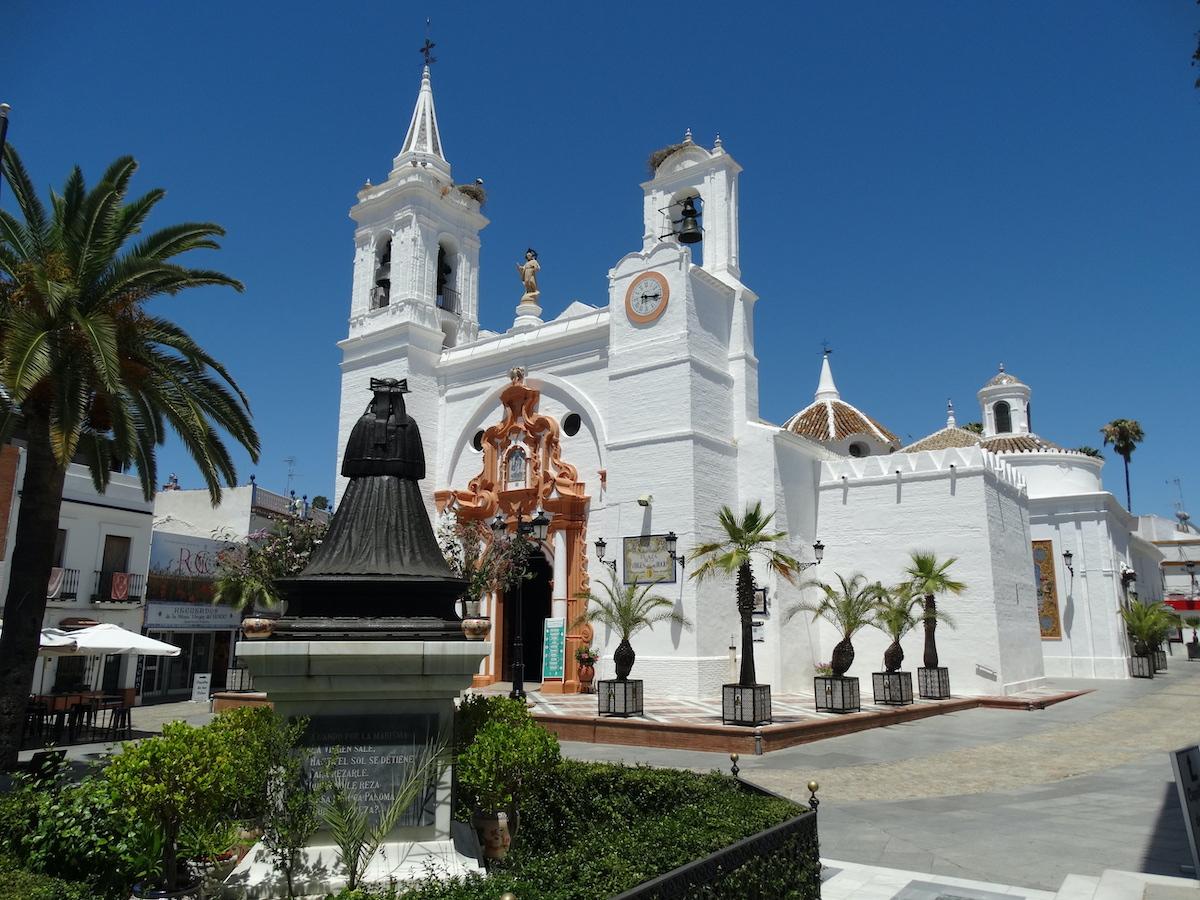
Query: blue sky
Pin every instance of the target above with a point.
(932, 187)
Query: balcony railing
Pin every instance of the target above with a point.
(276, 505)
(448, 300)
(64, 584)
(119, 587)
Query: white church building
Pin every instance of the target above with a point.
(639, 419)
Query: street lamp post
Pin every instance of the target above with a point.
(1191, 570)
(538, 528)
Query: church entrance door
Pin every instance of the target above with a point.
(535, 602)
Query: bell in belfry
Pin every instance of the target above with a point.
(690, 231)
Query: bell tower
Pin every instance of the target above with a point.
(415, 290)
(417, 241)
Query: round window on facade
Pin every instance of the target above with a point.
(858, 448)
(477, 441)
(571, 423)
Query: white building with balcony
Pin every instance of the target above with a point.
(101, 559)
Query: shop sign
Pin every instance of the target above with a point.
(191, 617)
(183, 555)
(647, 560)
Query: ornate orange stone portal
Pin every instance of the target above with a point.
(523, 470)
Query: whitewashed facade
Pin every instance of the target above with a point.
(641, 418)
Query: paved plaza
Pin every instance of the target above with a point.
(1018, 798)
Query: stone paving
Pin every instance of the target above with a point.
(1018, 798)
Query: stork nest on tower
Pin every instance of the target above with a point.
(474, 191)
(655, 159)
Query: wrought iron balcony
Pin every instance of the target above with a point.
(64, 584)
(119, 587)
(448, 300)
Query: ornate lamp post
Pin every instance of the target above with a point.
(538, 528)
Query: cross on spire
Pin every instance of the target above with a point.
(427, 48)
(825, 346)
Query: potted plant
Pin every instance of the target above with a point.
(486, 562)
(1193, 646)
(493, 773)
(925, 578)
(183, 776)
(626, 609)
(587, 658)
(893, 615)
(849, 606)
(1148, 624)
(745, 702)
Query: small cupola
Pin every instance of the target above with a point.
(1004, 405)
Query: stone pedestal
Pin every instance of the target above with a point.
(373, 699)
(529, 315)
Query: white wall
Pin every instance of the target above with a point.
(963, 503)
(1096, 530)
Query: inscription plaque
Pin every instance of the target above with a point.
(374, 757)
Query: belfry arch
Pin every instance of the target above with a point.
(549, 482)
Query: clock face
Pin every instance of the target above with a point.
(646, 298)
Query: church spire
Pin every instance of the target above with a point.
(423, 144)
(826, 389)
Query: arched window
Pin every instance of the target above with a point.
(1003, 417)
(447, 294)
(382, 288)
(859, 449)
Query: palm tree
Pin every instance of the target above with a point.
(1148, 624)
(627, 609)
(1124, 435)
(87, 374)
(894, 617)
(849, 606)
(925, 579)
(744, 538)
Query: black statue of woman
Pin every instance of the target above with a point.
(380, 556)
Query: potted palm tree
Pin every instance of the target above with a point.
(1148, 624)
(626, 609)
(746, 702)
(893, 616)
(1193, 646)
(925, 578)
(849, 606)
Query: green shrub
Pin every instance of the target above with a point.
(262, 740)
(476, 710)
(185, 774)
(79, 832)
(594, 830)
(20, 884)
(494, 770)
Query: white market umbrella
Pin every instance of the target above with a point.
(54, 642)
(105, 639)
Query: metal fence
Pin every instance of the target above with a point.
(751, 869)
(238, 679)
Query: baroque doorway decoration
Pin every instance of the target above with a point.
(523, 470)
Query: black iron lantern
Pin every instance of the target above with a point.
(601, 546)
(1067, 557)
(672, 542)
(541, 525)
(498, 523)
(818, 551)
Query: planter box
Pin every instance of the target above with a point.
(934, 684)
(1141, 667)
(1160, 660)
(892, 688)
(619, 698)
(1193, 651)
(836, 694)
(746, 704)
